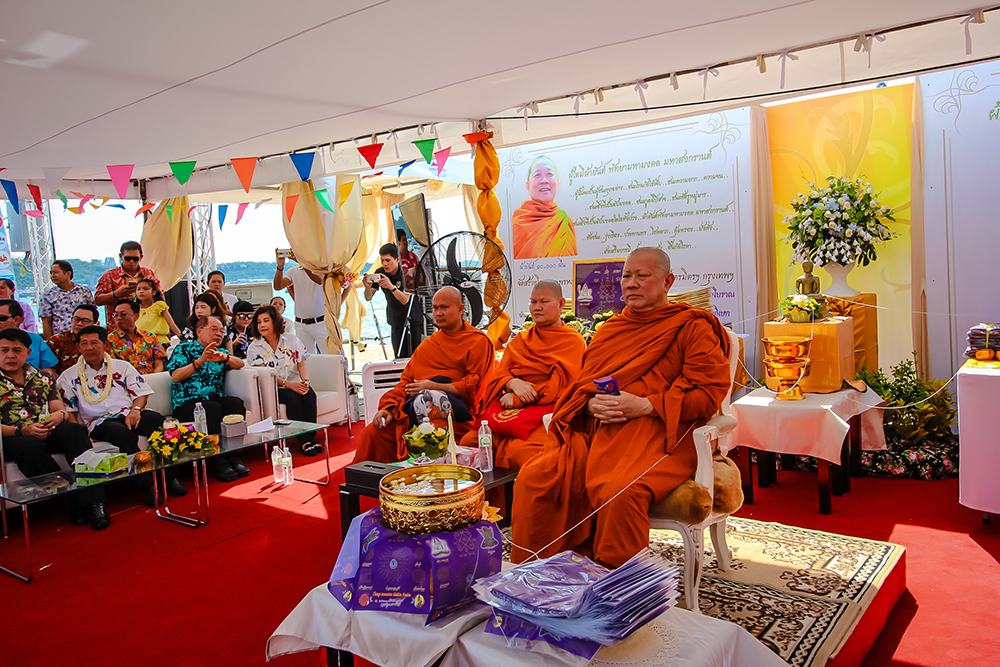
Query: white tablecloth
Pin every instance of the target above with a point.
(979, 439)
(678, 638)
(814, 426)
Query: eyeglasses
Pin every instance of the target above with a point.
(244, 316)
(131, 259)
(118, 316)
(4, 318)
(81, 320)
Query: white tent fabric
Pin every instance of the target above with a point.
(149, 83)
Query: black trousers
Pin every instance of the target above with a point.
(116, 432)
(300, 407)
(414, 334)
(33, 456)
(215, 410)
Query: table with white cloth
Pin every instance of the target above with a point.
(677, 638)
(833, 427)
(979, 438)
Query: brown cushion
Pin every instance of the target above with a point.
(691, 503)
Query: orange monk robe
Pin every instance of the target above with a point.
(542, 230)
(549, 358)
(677, 357)
(465, 357)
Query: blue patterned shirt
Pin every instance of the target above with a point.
(206, 383)
(59, 304)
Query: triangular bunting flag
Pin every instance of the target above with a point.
(170, 214)
(240, 210)
(442, 156)
(145, 207)
(370, 153)
(223, 209)
(105, 200)
(404, 166)
(183, 170)
(54, 177)
(36, 194)
(120, 174)
(11, 189)
(476, 137)
(94, 206)
(303, 164)
(261, 203)
(62, 198)
(324, 199)
(191, 210)
(345, 192)
(426, 147)
(78, 195)
(121, 206)
(377, 173)
(86, 198)
(244, 167)
(74, 209)
(35, 214)
(290, 203)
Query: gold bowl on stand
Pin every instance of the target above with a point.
(787, 361)
(452, 498)
(787, 347)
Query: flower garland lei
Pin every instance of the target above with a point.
(81, 371)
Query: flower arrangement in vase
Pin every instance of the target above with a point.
(175, 440)
(801, 308)
(425, 439)
(838, 226)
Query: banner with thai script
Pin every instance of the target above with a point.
(682, 186)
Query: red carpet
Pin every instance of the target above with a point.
(947, 616)
(147, 592)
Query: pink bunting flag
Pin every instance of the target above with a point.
(377, 173)
(36, 194)
(121, 174)
(239, 211)
(145, 207)
(84, 200)
(441, 157)
(290, 203)
(35, 214)
(191, 210)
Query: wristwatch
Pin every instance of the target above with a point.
(17, 431)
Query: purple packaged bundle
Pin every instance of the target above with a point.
(515, 630)
(607, 385)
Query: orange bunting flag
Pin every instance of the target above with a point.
(244, 167)
(441, 157)
(475, 137)
(240, 210)
(78, 195)
(370, 153)
(36, 194)
(75, 209)
(290, 203)
(145, 207)
(345, 192)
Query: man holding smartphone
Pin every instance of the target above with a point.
(389, 278)
(119, 283)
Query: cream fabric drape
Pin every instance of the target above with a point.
(166, 242)
(918, 256)
(325, 243)
(762, 194)
(471, 194)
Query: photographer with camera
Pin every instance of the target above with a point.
(389, 278)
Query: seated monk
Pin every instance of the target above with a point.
(539, 227)
(457, 359)
(538, 366)
(621, 454)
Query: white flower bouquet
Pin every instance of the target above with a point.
(838, 224)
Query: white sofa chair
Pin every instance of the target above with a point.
(378, 377)
(242, 382)
(327, 377)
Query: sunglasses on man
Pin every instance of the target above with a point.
(130, 258)
(244, 316)
(4, 318)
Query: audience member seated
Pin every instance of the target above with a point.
(65, 345)
(198, 369)
(40, 356)
(239, 330)
(538, 366)
(216, 285)
(109, 396)
(620, 454)
(7, 292)
(272, 348)
(455, 362)
(205, 305)
(120, 282)
(128, 343)
(34, 426)
(58, 303)
(154, 314)
(279, 303)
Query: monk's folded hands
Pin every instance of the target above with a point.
(617, 409)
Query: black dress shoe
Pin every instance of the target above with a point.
(78, 516)
(99, 519)
(222, 471)
(176, 488)
(237, 465)
(150, 498)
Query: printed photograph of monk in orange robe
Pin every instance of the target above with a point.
(540, 227)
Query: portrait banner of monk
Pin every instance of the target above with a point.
(539, 227)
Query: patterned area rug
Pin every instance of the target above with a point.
(799, 591)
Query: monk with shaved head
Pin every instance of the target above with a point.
(620, 454)
(455, 364)
(538, 366)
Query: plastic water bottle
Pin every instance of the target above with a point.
(485, 447)
(200, 420)
(286, 460)
(278, 464)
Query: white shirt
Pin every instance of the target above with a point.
(309, 299)
(230, 300)
(284, 360)
(128, 385)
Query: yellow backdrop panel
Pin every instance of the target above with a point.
(867, 134)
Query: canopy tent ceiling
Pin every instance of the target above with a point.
(148, 83)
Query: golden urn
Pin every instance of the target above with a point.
(787, 361)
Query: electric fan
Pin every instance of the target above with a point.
(475, 266)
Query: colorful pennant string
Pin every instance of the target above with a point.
(11, 189)
(370, 153)
(426, 148)
(290, 203)
(120, 174)
(182, 170)
(244, 167)
(303, 164)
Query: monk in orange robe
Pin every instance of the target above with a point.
(538, 366)
(456, 351)
(621, 454)
(540, 227)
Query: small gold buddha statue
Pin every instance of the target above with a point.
(807, 283)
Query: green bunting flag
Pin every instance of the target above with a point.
(182, 170)
(426, 147)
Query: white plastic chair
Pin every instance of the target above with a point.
(378, 377)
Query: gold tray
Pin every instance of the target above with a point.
(417, 514)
